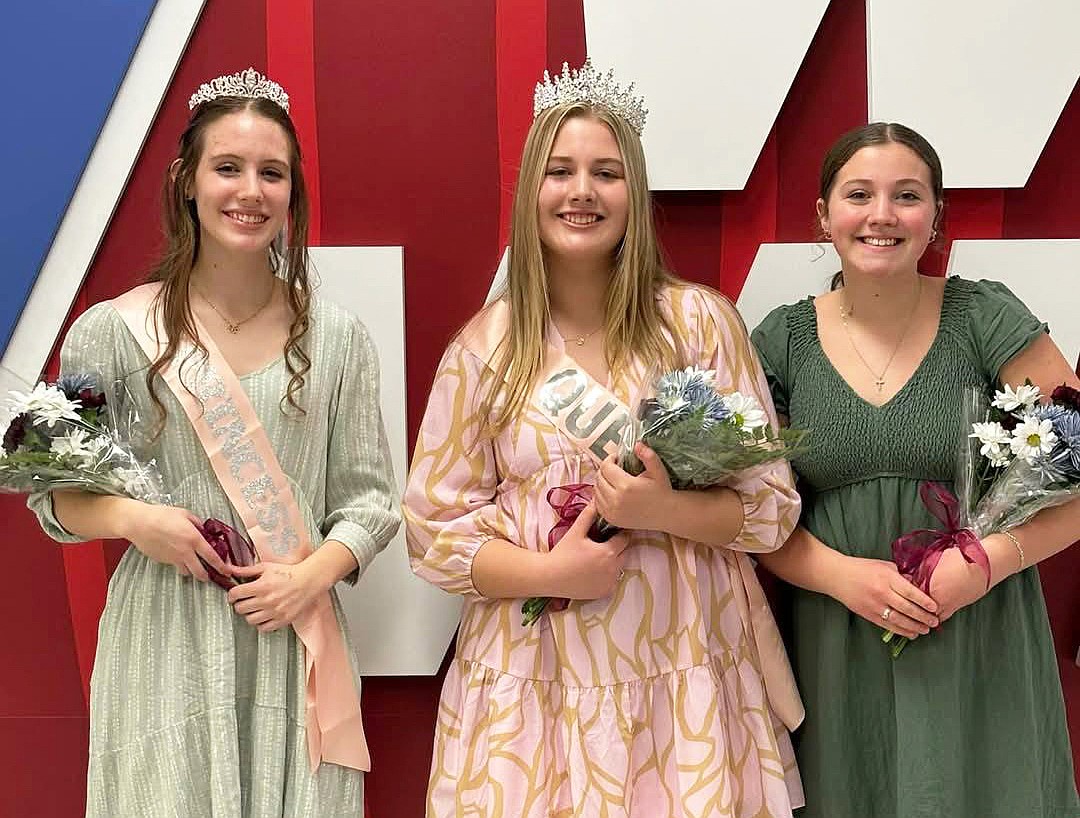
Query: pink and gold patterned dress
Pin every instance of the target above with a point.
(648, 704)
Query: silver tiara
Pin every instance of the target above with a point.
(249, 83)
(586, 84)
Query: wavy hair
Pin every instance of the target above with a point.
(182, 234)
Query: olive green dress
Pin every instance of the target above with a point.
(193, 712)
(969, 722)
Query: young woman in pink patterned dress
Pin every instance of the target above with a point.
(647, 695)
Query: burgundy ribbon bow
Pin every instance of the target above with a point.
(918, 553)
(568, 502)
(229, 544)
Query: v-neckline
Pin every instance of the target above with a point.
(914, 376)
(559, 344)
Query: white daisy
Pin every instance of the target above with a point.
(746, 412)
(46, 403)
(1033, 437)
(707, 376)
(1024, 396)
(995, 442)
(136, 482)
(95, 447)
(73, 444)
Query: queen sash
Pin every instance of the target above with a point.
(593, 419)
(245, 464)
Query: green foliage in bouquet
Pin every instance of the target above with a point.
(703, 437)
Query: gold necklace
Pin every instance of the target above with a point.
(879, 377)
(231, 326)
(581, 339)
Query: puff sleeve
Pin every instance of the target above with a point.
(771, 505)
(772, 340)
(999, 325)
(449, 503)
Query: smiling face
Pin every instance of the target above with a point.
(880, 210)
(583, 203)
(241, 186)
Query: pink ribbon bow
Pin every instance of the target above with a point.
(568, 502)
(918, 553)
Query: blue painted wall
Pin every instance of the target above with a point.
(61, 63)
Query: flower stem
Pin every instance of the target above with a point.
(896, 642)
(532, 609)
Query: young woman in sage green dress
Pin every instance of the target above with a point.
(969, 721)
(198, 696)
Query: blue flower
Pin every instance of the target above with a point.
(682, 393)
(1066, 454)
(72, 385)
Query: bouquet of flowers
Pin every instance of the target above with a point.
(1020, 457)
(69, 435)
(702, 437)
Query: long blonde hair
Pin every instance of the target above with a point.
(633, 324)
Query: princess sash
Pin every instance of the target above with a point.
(594, 419)
(245, 464)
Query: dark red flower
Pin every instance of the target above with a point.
(229, 544)
(16, 432)
(91, 399)
(1066, 396)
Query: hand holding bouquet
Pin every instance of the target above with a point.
(702, 438)
(1019, 458)
(1028, 457)
(69, 435)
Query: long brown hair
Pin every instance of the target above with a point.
(880, 133)
(182, 233)
(633, 323)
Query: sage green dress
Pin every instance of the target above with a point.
(969, 722)
(193, 712)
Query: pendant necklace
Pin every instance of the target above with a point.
(233, 327)
(879, 377)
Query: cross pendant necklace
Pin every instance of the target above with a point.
(879, 377)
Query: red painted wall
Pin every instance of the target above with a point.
(413, 139)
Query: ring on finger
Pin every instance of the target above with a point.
(886, 613)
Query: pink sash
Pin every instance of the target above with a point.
(594, 419)
(248, 470)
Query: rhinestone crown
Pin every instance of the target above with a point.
(249, 83)
(586, 84)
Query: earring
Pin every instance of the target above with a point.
(828, 235)
(933, 236)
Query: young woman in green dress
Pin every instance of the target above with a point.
(201, 700)
(969, 721)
